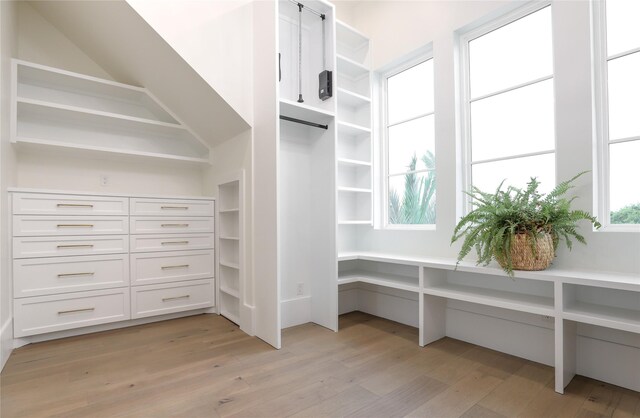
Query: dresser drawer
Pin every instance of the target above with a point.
(47, 276)
(147, 268)
(148, 243)
(28, 247)
(42, 314)
(70, 225)
(149, 225)
(60, 204)
(171, 297)
(171, 207)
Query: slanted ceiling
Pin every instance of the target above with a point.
(114, 35)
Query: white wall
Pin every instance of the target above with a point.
(213, 37)
(8, 46)
(397, 28)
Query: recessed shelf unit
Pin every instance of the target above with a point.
(230, 248)
(58, 109)
(354, 146)
(562, 298)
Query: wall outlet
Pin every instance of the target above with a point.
(300, 289)
(104, 180)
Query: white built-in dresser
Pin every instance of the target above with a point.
(81, 260)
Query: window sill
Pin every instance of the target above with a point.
(430, 227)
(618, 228)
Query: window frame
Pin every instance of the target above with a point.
(421, 56)
(466, 162)
(601, 192)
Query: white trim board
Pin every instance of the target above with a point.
(6, 341)
(296, 311)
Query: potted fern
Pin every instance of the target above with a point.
(520, 228)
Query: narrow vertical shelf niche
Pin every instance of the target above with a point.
(354, 147)
(229, 248)
(60, 110)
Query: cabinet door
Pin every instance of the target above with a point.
(147, 268)
(62, 204)
(30, 247)
(39, 315)
(160, 225)
(177, 242)
(26, 226)
(47, 276)
(171, 207)
(171, 297)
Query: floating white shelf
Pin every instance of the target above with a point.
(305, 112)
(350, 68)
(352, 99)
(55, 109)
(380, 279)
(355, 163)
(352, 129)
(604, 316)
(508, 300)
(229, 291)
(353, 190)
(362, 222)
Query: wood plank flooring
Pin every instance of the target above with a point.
(203, 366)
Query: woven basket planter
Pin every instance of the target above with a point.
(522, 256)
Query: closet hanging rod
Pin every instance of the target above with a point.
(300, 5)
(304, 122)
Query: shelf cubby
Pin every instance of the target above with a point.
(611, 308)
(351, 43)
(354, 206)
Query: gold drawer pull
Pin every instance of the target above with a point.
(75, 225)
(174, 225)
(176, 298)
(76, 311)
(73, 205)
(76, 246)
(75, 274)
(181, 266)
(175, 207)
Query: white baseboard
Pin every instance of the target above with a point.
(610, 362)
(295, 311)
(6, 341)
(249, 312)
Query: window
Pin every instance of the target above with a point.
(508, 102)
(410, 177)
(617, 103)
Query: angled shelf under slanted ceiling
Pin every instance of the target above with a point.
(58, 109)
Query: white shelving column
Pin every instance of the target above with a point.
(354, 146)
(229, 248)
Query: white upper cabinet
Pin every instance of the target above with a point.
(65, 110)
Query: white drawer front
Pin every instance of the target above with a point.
(148, 243)
(70, 225)
(170, 207)
(171, 297)
(60, 204)
(39, 315)
(147, 268)
(171, 225)
(47, 276)
(28, 247)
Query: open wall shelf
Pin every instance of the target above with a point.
(71, 112)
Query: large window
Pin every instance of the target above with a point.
(618, 110)
(508, 102)
(410, 178)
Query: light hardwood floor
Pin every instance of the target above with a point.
(203, 366)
